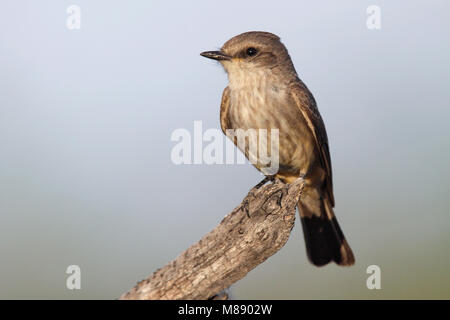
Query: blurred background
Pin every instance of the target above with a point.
(86, 118)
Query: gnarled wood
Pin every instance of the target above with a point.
(246, 237)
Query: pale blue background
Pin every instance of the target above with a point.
(86, 118)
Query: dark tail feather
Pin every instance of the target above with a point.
(324, 239)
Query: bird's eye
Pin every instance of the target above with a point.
(251, 51)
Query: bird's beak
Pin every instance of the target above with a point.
(216, 55)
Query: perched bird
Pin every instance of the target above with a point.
(265, 92)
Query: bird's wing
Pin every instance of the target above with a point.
(224, 105)
(307, 105)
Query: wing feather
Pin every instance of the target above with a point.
(224, 106)
(307, 105)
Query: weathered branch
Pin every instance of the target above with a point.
(246, 237)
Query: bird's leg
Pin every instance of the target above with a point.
(302, 177)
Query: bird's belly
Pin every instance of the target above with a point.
(254, 109)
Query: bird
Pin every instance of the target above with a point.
(265, 92)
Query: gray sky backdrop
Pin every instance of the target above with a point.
(86, 117)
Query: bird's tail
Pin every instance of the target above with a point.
(324, 239)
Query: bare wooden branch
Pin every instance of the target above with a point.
(246, 237)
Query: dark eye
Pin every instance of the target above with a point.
(251, 51)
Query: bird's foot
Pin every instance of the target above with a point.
(263, 182)
(246, 202)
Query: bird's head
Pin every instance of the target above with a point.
(252, 51)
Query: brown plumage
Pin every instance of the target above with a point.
(265, 92)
